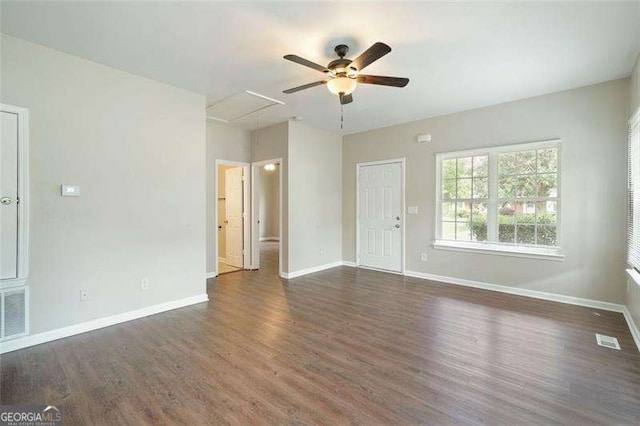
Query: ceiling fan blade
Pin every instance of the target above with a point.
(372, 54)
(302, 61)
(305, 86)
(382, 80)
(346, 99)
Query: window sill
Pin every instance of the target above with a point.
(634, 275)
(500, 250)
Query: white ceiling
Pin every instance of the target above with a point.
(458, 56)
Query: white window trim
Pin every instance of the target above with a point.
(492, 247)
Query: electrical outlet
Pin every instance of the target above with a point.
(423, 257)
(84, 295)
(144, 284)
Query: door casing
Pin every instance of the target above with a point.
(403, 221)
(23, 196)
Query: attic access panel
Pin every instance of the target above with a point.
(240, 105)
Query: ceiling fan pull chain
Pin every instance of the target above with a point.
(341, 116)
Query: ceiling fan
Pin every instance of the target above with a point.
(344, 74)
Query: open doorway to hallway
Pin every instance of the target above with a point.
(267, 215)
(232, 225)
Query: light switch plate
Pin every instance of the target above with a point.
(70, 190)
(413, 210)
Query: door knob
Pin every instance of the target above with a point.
(5, 200)
(397, 225)
(397, 217)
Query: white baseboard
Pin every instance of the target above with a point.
(349, 263)
(635, 332)
(48, 336)
(222, 259)
(269, 239)
(211, 274)
(596, 304)
(311, 270)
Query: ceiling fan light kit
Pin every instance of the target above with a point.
(341, 84)
(344, 74)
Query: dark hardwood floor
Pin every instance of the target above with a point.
(336, 347)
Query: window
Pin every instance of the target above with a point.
(633, 241)
(503, 199)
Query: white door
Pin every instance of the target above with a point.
(234, 207)
(380, 216)
(9, 196)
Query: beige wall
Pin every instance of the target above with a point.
(136, 147)
(223, 143)
(270, 143)
(315, 158)
(269, 202)
(592, 123)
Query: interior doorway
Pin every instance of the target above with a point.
(233, 231)
(266, 187)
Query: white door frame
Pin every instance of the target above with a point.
(246, 226)
(403, 221)
(23, 196)
(255, 234)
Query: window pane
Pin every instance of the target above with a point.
(526, 162)
(480, 188)
(464, 188)
(449, 211)
(506, 233)
(464, 167)
(547, 235)
(526, 186)
(525, 212)
(547, 185)
(479, 221)
(449, 230)
(449, 169)
(525, 234)
(507, 187)
(507, 164)
(463, 211)
(506, 220)
(462, 232)
(506, 212)
(449, 189)
(523, 174)
(546, 212)
(547, 160)
(481, 166)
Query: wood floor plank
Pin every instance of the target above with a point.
(342, 346)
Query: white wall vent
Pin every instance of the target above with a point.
(14, 312)
(607, 341)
